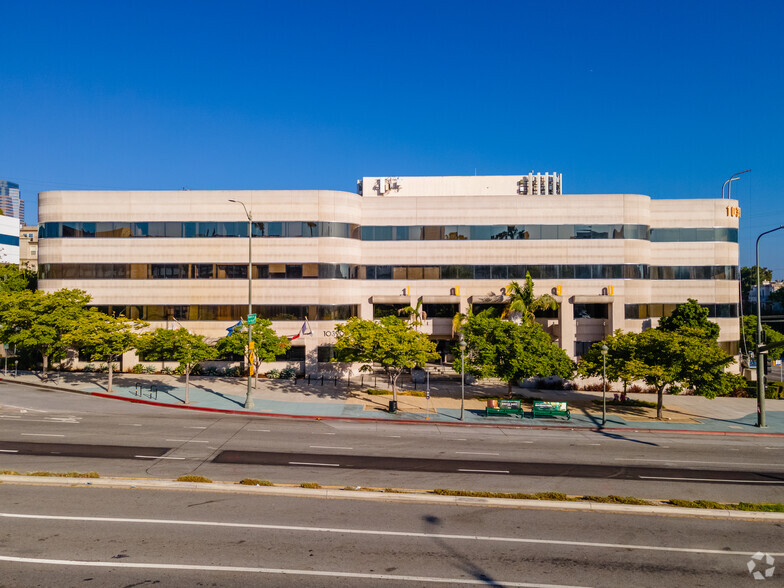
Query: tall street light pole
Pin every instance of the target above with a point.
(462, 346)
(759, 353)
(248, 398)
(605, 349)
(733, 177)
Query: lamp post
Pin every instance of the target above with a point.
(248, 399)
(462, 346)
(605, 349)
(760, 354)
(732, 179)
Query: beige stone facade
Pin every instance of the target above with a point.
(613, 260)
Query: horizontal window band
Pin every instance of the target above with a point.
(663, 309)
(345, 271)
(311, 229)
(232, 312)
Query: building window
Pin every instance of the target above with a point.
(591, 311)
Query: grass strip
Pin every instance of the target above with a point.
(743, 506)
(254, 482)
(192, 478)
(310, 485)
(65, 474)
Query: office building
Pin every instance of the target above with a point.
(613, 261)
(11, 202)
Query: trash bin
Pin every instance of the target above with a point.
(393, 406)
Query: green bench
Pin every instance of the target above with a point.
(504, 406)
(547, 408)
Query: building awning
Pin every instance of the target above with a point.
(592, 299)
(404, 300)
(446, 299)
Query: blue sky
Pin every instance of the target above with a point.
(660, 98)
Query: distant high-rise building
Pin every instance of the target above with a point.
(11, 200)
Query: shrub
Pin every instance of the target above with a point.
(310, 485)
(193, 478)
(137, 369)
(273, 374)
(233, 372)
(149, 369)
(288, 374)
(254, 482)
(213, 371)
(167, 370)
(635, 389)
(197, 370)
(377, 391)
(180, 370)
(88, 368)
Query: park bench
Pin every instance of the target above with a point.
(504, 406)
(547, 408)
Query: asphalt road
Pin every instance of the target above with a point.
(56, 431)
(102, 537)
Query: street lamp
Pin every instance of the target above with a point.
(759, 353)
(248, 399)
(462, 346)
(605, 349)
(732, 179)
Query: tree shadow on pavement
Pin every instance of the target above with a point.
(617, 436)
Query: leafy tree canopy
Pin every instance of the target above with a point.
(388, 341)
(15, 279)
(510, 351)
(621, 361)
(769, 335)
(41, 321)
(690, 315)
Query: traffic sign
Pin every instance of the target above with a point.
(251, 319)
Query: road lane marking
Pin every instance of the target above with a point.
(712, 480)
(476, 453)
(9, 451)
(259, 430)
(326, 433)
(307, 463)
(156, 457)
(454, 439)
(186, 441)
(486, 471)
(8, 416)
(415, 534)
(283, 571)
(767, 465)
(593, 443)
(392, 436)
(195, 427)
(328, 447)
(41, 435)
(130, 424)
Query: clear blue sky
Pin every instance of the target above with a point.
(660, 98)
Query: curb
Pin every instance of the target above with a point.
(565, 427)
(335, 494)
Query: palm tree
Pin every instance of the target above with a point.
(524, 303)
(415, 313)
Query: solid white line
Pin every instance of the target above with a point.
(392, 436)
(593, 443)
(457, 439)
(476, 453)
(288, 572)
(156, 457)
(415, 534)
(487, 471)
(328, 447)
(712, 480)
(767, 465)
(195, 427)
(186, 441)
(40, 435)
(259, 430)
(129, 424)
(330, 465)
(9, 416)
(9, 451)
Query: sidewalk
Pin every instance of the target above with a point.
(332, 399)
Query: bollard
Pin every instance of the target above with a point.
(322, 379)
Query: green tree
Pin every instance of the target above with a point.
(180, 345)
(415, 314)
(769, 335)
(690, 315)
(622, 363)
(388, 341)
(748, 278)
(40, 321)
(15, 279)
(524, 303)
(510, 351)
(104, 337)
(267, 346)
(659, 361)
